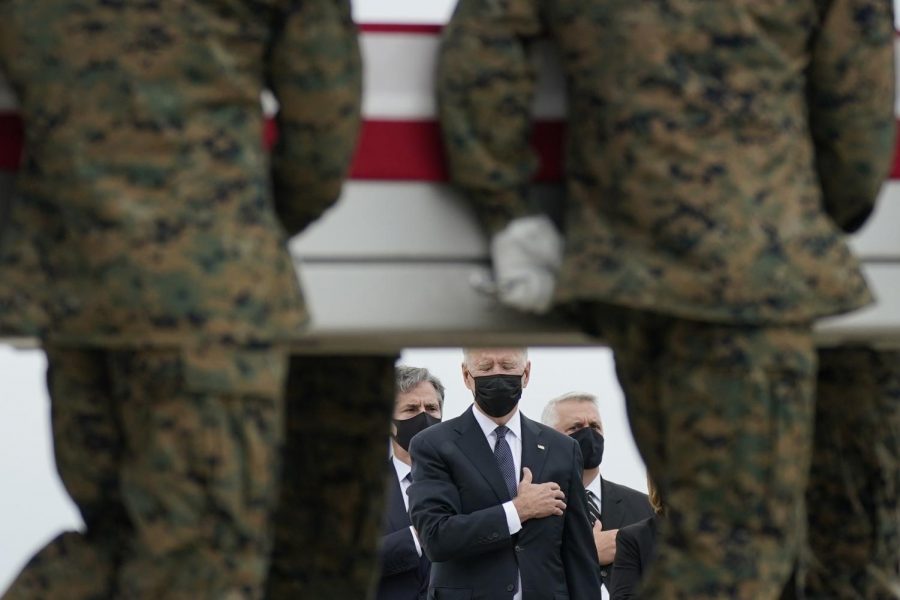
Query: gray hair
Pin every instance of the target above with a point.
(410, 377)
(550, 417)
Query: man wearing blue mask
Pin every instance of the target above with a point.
(495, 494)
(611, 506)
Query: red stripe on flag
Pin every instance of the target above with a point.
(895, 168)
(270, 133)
(400, 28)
(412, 151)
(402, 150)
(12, 137)
(388, 150)
(548, 140)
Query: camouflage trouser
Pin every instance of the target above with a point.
(171, 456)
(329, 518)
(722, 416)
(854, 491)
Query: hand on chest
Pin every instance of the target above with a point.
(481, 479)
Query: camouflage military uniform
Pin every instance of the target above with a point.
(335, 469)
(717, 149)
(159, 224)
(853, 498)
(172, 466)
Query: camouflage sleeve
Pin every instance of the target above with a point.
(485, 84)
(315, 72)
(851, 102)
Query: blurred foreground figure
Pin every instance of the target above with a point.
(853, 498)
(717, 151)
(159, 226)
(331, 507)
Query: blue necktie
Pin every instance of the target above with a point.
(504, 457)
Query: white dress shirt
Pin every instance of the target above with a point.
(514, 439)
(403, 470)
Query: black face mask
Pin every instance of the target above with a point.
(591, 443)
(407, 428)
(497, 395)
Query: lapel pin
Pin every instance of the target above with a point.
(540, 447)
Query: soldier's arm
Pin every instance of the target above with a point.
(314, 69)
(851, 101)
(485, 84)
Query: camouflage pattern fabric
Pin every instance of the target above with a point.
(854, 490)
(722, 416)
(716, 148)
(171, 457)
(144, 159)
(329, 518)
(23, 283)
(149, 255)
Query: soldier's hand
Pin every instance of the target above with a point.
(538, 500)
(605, 542)
(527, 255)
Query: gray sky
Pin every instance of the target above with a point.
(33, 505)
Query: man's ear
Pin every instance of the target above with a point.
(468, 379)
(527, 374)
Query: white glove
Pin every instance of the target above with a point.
(527, 255)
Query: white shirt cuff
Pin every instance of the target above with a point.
(512, 518)
(416, 540)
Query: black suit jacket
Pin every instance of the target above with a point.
(635, 550)
(456, 506)
(620, 506)
(404, 574)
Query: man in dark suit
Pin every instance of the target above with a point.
(610, 506)
(404, 568)
(489, 534)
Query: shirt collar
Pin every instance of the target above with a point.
(488, 426)
(595, 487)
(401, 467)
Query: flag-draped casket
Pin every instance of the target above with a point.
(391, 265)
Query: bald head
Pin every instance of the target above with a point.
(479, 362)
(473, 355)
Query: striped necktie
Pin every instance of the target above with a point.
(503, 454)
(593, 503)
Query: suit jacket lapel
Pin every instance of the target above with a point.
(476, 448)
(534, 448)
(612, 512)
